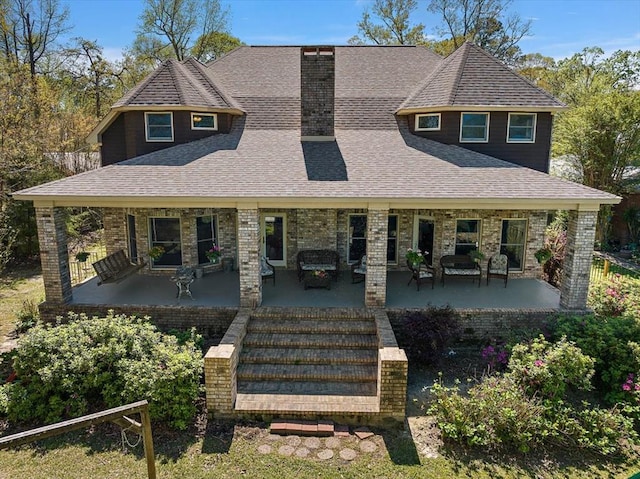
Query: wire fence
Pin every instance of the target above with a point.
(82, 270)
(603, 266)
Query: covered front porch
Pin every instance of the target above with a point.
(222, 290)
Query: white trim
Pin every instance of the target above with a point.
(533, 133)
(524, 244)
(475, 140)
(263, 241)
(479, 108)
(146, 127)
(417, 122)
(215, 121)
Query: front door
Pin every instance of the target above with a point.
(274, 238)
(423, 232)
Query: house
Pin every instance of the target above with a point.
(361, 150)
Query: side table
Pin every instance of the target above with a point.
(311, 280)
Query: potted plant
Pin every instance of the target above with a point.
(543, 255)
(476, 255)
(156, 252)
(213, 254)
(414, 257)
(82, 256)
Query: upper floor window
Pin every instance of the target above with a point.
(159, 126)
(521, 128)
(430, 122)
(204, 121)
(474, 127)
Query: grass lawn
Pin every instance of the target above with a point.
(209, 449)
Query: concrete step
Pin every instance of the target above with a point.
(332, 326)
(308, 372)
(305, 404)
(311, 340)
(308, 388)
(308, 356)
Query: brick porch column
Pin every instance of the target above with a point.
(581, 233)
(376, 278)
(54, 256)
(249, 257)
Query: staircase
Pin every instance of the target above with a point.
(320, 364)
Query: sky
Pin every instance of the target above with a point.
(560, 28)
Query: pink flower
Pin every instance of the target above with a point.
(626, 387)
(539, 362)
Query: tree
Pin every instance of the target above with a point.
(213, 45)
(395, 28)
(29, 30)
(170, 28)
(484, 22)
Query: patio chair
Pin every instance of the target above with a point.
(183, 278)
(499, 267)
(421, 274)
(359, 270)
(267, 270)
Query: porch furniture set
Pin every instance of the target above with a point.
(318, 260)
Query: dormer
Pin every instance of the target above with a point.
(179, 102)
(474, 101)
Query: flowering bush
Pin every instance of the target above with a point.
(496, 357)
(615, 295)
(414, 256)
(213, 253)
(155, 252)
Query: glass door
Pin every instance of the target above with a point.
(423, 233)
(274, 238)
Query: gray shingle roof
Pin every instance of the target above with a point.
(472, 77)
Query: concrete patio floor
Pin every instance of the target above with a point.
(221, 289)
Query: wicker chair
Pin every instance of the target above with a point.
(359, 270)
(267, 270)
(421, 274)
(498, 267)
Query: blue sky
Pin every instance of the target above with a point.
(560, 27)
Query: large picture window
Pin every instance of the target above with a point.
(159, 126)
(467, 236)
(165, 232)
(521, 128)
(357, 237)
(206, 227)
(474, 127)
(512, 242)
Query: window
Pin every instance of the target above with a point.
(131, 234)
(467, 236)
(204, 121)
(392, 239)
(514, 235)
(206, 236)
(474, 127)
(159, 126)
(429, 122)
(521, 128)
(165, 232)
(357, 237)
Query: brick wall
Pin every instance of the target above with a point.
(115, 229)
(249, 257)
(317, 91)
(316, 229)
(393, 370)
(581, 233)
(54, 257)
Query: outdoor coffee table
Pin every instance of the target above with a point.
(313, 280)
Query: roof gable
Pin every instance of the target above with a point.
(470, 77)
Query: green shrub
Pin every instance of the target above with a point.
(547, 369)
(611, 342)
(424, 335)
(70, 369)
(615, 295)
(27, 317)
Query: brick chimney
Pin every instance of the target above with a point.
(317, 93)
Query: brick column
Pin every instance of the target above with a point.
(249, 257)
(115, 230)
(581, 233)
(54, 257)
(376, 278)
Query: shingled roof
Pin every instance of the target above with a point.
(470, 77)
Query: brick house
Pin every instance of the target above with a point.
(361, 150)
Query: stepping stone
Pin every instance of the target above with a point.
(293, 440)
(274, 437)
(302, 452)
(264, 449)
(312, 442)
(368, 446)
(332, 442)
(363, 433)
(325, 454)
(348, 454)
(340, 430)
(286, 450)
